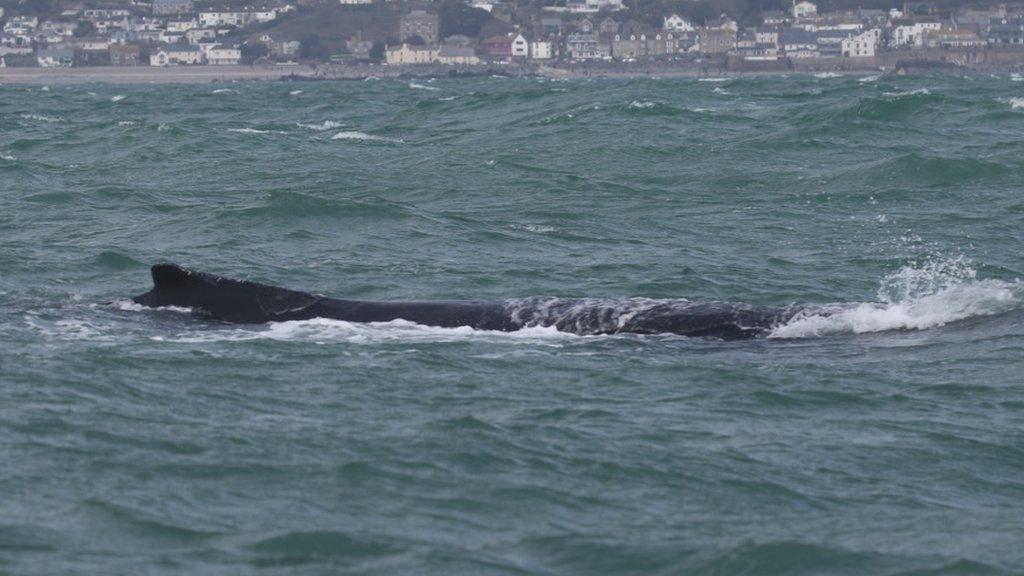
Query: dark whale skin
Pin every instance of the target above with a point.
(245, 302)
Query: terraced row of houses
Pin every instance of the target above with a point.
(802, 33)
(172, 33)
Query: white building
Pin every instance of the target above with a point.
(355, 2)
(406, 54)
(223, 56)
(238, 19)
(676, 23)
(804, 9)
(862, 45)
(55, 58)
(913, 34)
(181, 25)
(176, 56)
(541, 50)
(520, 47)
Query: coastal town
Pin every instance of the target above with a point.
(332, 35)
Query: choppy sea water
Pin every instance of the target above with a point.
(886, 439)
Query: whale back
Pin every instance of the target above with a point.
(224, 298)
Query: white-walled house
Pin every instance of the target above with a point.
(676, 23)
(804, 9)
(223, 56)
(541, 50)
(61, 58)
(520, 47)
(176, 56)
(913, 34)
(862, 45)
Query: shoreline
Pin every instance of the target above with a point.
(302, 73)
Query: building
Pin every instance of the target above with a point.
(520, 47)
(419, 23)
(716, 40)
(498, 47)
(171, 7)
(676, 23)
(862, 45)
(582, 46)
(913, 34)
(223, 56)
(354, 2)
(1006, 31)
(55, 58)
(457, 55)
(406, 54)
(804, 9)
(237, 19)
(798, 43)
(124, 55)
(541, 50)
(176, 56)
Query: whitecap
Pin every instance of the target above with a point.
(913, 298)
(535, 228)
(44, 89)
(118, 98)
(722, 91)
(7, 157)
(1016, 103)
(713, 79)
(42, 118)
(824, 75)
(918, 92)
(416, 86)
(353, 135)
(295, 92)
(325, 125)
(1016, 77)
(254, 131)
(867, 79)
(127, 123)
(225, 91)
(640, 104)
(447, 98)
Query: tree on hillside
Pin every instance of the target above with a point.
(458, 18)
(253, 51)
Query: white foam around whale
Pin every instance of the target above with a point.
(913, 298)
(326, 331)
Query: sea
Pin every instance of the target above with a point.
(884, 439)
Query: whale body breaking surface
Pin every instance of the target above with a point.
(245, 302)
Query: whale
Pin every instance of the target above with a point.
(245, 302)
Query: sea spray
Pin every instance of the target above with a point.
(912, 298)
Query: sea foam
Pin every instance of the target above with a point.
(326, 331)
(913, 298)
(353, 135)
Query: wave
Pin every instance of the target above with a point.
(225, 91)
(913, 298)
(824, 75)
(917, 92)
(42, 118)
(325, 125)
(353, 135)
(642, 104)
(254, 131)
(713, 79)
(118, 98)
(416, 86)
(722, 91)
(868, 79)
(1016, 102)
(7, 157)
(1016, 78)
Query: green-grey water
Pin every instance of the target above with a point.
(886, 439)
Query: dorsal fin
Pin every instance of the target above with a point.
(167, 276)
